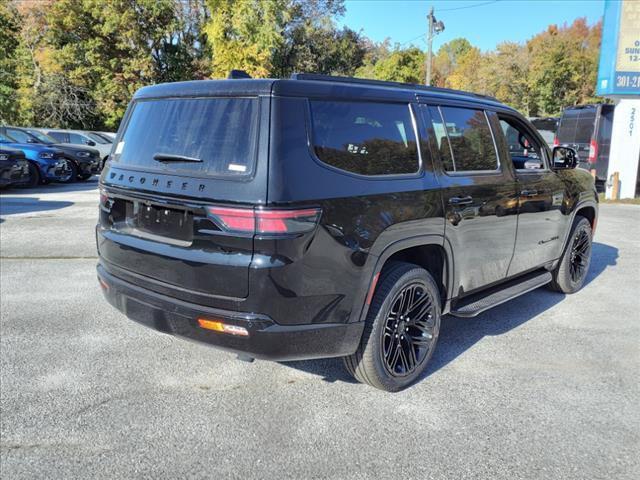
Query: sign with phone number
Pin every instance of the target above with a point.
(619, 72)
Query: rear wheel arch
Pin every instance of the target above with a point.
(429, 252)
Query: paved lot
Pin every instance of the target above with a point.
(545, 386)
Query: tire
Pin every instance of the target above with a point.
(34, 176)
(385, 329)
(74, 172)
(570, 274)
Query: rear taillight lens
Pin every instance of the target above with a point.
(593, 152)
(264, 221)
(105, 201)
(555, 141)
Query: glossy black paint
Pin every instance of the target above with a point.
(321, 278)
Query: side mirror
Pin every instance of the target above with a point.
(564, 158)
(91, 143)
(32, 140)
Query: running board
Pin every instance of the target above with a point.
(484, 301)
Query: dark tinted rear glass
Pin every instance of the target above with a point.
(606, 123)
(365, 138)
(586, 126)
(221, 132)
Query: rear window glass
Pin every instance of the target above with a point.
(465, 133)
(585, 126)
(365, 138)
(200, 136)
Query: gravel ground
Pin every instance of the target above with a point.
(545, 386)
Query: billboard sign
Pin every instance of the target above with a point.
(619, 72)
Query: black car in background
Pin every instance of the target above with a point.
(587, 129)
(320, 216)
(14, 167)
(83, 161)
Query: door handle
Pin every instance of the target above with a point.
(461, 200)
(529, 193)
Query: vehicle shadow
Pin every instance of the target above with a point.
(457, 335)
(16, 205)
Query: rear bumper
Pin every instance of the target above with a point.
(267, 339)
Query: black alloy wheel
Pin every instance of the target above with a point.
(580, 255)
(571, 273)
(409, 333)
(401, 329)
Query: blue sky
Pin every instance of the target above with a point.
(484, 24)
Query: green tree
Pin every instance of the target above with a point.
(447, 58)
(9, 42)
(400, 65)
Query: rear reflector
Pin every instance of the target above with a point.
(218, 326)
(103, 284)
(264, 221)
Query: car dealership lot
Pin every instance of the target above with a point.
(545, 386)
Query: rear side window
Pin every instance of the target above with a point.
(59, 136)
(365, 138)
(464, 139)
(76, 139)
(199, 136)
(19, 135)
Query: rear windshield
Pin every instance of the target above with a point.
(577, 126)
(197, 136)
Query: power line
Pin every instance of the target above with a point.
(467, 6)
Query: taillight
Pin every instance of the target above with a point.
(264, 221)
(593, 152)
(105, 201)
(555, 141)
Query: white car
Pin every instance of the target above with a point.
(81, 137)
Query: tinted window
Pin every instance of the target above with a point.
(567, 127)
(77, 139)
(606, 122)
(218, 134)
(585, 126)
(19, 135)
(365, 138)
(59, 136)
(524, 150)
(469, 139)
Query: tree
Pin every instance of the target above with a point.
(400, 65)
(9, 42)
(447, 58)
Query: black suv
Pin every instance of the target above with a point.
(321, 217)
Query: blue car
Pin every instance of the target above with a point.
(46, 164)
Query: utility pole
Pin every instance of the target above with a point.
(434, 27)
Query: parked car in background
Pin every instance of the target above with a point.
(14, 168)
(587, 129)
(83, 161)
(547, 127)
(81, 137)
(320, 216)
(46, 164)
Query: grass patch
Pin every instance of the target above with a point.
(628, 201)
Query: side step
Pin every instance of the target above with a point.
(482, 301)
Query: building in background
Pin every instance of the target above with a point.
(619, 79)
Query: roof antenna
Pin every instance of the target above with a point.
(236, 74)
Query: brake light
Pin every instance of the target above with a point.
(105, 201)
(593, 152)
(264, 221)
(556, 142)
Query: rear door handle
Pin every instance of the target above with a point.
(529, 193)
(461, 200)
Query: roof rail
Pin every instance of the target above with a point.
(383, 83)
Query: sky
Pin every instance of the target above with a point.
(484, 23)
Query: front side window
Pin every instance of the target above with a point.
(464, 139)
(365, 138)
(524, 150)
(19, 135)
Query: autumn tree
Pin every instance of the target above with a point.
(9, 42)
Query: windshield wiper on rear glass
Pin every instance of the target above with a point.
(168, 157)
